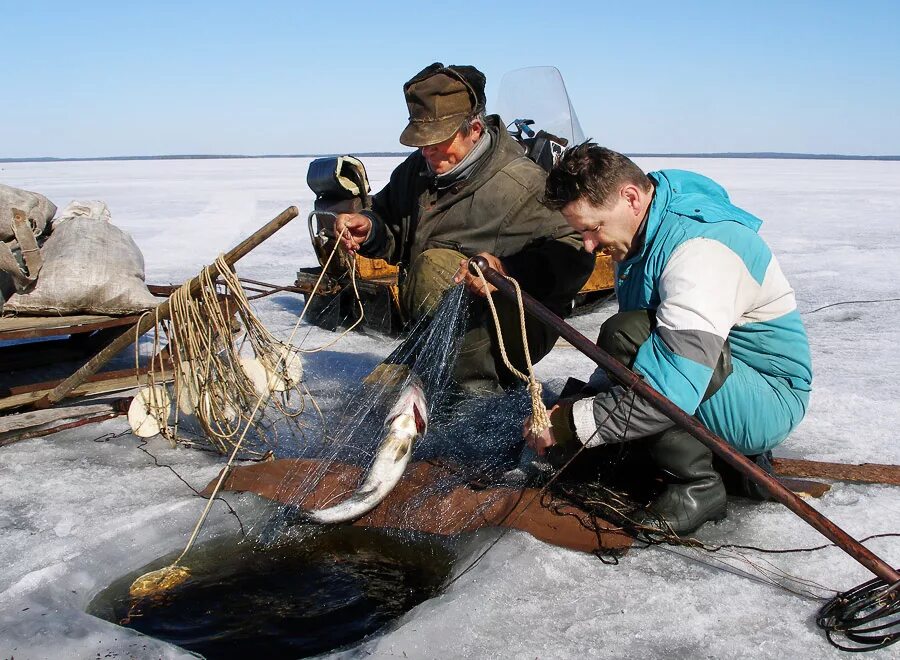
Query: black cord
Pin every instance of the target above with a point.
(849, 302)
(106, 437)
(867, 615)
(789, 550)
(143, 448)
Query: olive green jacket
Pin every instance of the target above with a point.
(495, 210)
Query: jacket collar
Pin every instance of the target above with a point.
(503, 149)
(692, 196)
(464, 168)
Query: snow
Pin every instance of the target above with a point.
(82, 507)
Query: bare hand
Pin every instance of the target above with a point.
(541, 442)
(473, 282)
(356, 228)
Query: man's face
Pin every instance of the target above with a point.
(444, 156)
(610, 229)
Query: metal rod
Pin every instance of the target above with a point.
(692, 425)
(161, 312)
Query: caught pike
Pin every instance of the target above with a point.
(406, 421)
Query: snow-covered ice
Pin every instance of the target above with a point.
(79, 509)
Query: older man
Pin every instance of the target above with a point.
(706, 316)
(468, 189)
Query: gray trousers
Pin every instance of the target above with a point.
(622, 334)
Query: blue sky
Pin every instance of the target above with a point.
(117, 78)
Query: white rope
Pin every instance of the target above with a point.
(540, 419)
(186, 319)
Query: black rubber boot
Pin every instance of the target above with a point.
(694, 493)
(737, 483)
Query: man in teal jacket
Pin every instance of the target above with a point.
(706, 317)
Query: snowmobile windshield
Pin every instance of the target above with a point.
(539, 93)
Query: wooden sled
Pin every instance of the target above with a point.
(58, 339)
(42, 341)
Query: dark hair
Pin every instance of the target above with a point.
(591, 171)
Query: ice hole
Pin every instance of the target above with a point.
(295, 598)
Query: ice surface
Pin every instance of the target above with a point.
(80, 509)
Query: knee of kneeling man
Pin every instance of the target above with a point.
(429, 275)
(622, 334)
(438, 261)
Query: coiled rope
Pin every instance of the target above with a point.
(200, 337)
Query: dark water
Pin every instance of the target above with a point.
(292, 600)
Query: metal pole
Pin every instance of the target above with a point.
(161, 312)
(692, 425)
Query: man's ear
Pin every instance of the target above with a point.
(632, 196)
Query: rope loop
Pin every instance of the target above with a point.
(540, 418)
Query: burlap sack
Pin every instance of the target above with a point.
(38, 208)
(90, 267)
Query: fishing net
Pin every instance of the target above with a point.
(470, 436)
(328, 431)
(234, 384)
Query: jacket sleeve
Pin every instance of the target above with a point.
(387, 214)
(553, 266)
(381, 240)
(704, 289)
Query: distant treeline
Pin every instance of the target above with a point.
(49, 159)
(370, 154)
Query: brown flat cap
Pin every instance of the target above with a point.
(439, 100)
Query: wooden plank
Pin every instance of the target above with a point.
(31, 327)
(37, 423)
(867, 473)
(34, 387)
(415, 505)
(105, 383)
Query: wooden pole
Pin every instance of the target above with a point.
(692, 425)
(161, 312)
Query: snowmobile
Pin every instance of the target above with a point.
(533, 97)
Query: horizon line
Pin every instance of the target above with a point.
(721, 154)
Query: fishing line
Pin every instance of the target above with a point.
(143, 447)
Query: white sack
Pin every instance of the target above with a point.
(90, 267)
